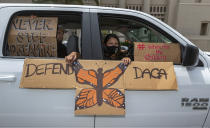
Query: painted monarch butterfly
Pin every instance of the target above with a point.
(100, 82)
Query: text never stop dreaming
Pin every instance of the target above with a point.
(33, 36)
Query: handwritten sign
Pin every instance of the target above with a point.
(108, 106)
(150, 76)
(100, 85)
(49, 73)
(56, 73)
(31, 36)
(157, 52)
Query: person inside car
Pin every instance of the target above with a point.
(111, 50)
(70, 51)
(61, 49)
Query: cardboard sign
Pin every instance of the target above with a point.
(29, 36)
(47, 73)
(157, 52)
(108, 106)
(150, 76)
(100, 85)
(56, 73)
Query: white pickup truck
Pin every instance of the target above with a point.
(186, 107)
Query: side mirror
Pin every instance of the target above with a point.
(190, 55)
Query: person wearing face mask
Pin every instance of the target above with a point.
(112, 49)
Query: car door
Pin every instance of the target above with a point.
(207, 122)
(39, 107)
(156, 108)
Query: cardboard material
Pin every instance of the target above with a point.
(103, 109)
(150, 76)
(52, 73)
(33, 36)
(47, 73)
(157, 52)
(100, 85)
(95, 65)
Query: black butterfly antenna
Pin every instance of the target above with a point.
(101, 66)
(76, 66)
(122, 66)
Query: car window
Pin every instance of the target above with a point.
(42, 34)
(131, 30)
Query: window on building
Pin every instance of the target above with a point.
(150, 9)
(161, 9)
(140, 8)
(157, 9)
(154, 9)
(198, 1)
(137, 7)
(204, 29)
(164, 9)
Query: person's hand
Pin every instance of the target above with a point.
(126, 60)
(72, 57)
(113, 57)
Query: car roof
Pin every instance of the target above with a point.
(64, 5)
(74, 6)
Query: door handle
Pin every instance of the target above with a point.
(7, 78)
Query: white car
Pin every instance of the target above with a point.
(186, 107)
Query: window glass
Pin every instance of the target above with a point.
(43, 34)
(131, 30)
(204, 29)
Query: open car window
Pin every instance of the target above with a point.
(139, 40)
(131, 30)
(42, 33)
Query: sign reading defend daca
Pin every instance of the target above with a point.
(100, 85)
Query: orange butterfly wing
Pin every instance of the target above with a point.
(111, 76)
(114, 97)
(84, 76)
(86, 98)
(87, 77)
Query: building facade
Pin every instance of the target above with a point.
(157, 8)
(193, 21)
(189, 17)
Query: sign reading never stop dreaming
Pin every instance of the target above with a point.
(100, 85)
(33, 36)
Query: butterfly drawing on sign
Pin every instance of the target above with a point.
(100, 83)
